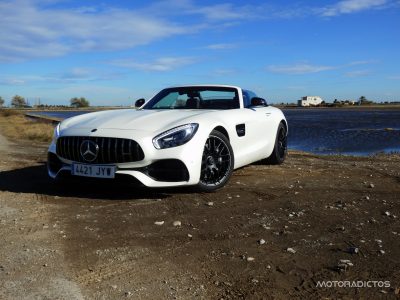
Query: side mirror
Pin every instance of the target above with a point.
(257, 101)
(139, 102)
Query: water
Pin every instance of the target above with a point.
(332, 131)
(341, 131)
(61, 114)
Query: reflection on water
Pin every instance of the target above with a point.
(329, 131)
(351, 131)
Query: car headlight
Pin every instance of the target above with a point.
(56, 132)
(176, 136)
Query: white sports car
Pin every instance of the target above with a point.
(186, 135)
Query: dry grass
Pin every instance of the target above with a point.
(14, 125)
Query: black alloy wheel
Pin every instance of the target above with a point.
(217, 162)
(280, 148)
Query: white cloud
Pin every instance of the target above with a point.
(72, 76)
(221, 46)
(38, 29)
(162, 64)
(225, 72)
(30, 31)
(358, 73)
(11, 81)
(351, 6)
(302, 68)
(362, 62)
(220, 12)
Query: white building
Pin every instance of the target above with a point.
(309, 101)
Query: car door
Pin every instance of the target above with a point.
(255, 132)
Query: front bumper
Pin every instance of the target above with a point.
(177, 166)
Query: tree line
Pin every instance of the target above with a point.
(20, 102)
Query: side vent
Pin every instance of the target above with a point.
(241, 129)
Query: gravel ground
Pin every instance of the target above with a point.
(273, 232)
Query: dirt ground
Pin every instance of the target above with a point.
(273, 232)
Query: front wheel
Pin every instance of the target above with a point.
(217, 162)
(280, 148)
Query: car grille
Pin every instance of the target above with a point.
(111, 150)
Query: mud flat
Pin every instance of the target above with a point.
(273, 232)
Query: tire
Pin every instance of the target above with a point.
(280, 148)
(217, 163)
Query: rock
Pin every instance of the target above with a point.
(291, 250)
(371, 185)
(261, 242)
(254, 281)
(210, 203)
(366, 198)
(128, 294)
(177, 223)
(344, 264)
(373, 220)
(341, 228)
(250, 258)
(345, 261)
(381, 251)
(189, 235)
(387, 213)
(159, 223)
(353, 250)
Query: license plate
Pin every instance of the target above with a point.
(93, 171)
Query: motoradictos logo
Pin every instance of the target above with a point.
(353, 284)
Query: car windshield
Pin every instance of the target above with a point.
(195, 98)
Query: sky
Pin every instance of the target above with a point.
(114, 52)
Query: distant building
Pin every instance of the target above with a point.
(309, 101)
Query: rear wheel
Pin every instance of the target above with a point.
(217, 162)
(280, 148)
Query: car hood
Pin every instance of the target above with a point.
(131, 119)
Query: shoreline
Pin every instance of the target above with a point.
(43, 118)
(99, 108)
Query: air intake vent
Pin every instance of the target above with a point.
(110, 150)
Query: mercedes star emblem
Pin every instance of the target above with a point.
(89, 150)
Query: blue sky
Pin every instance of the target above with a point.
(113, 52)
